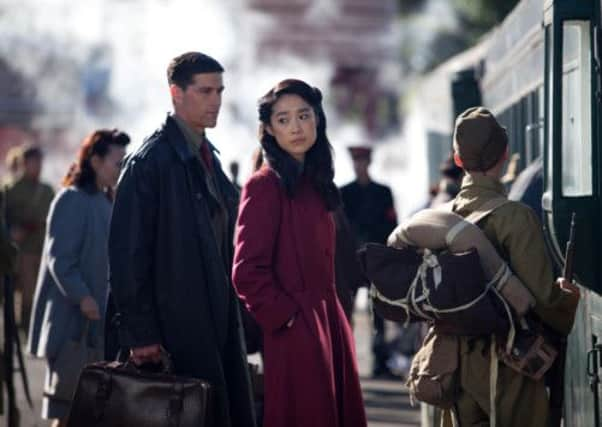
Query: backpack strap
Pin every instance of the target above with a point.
(485, 209)
(474, 217)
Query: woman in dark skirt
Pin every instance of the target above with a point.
(284, 267)
(73, 279)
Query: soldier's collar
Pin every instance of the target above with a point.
(485, 182)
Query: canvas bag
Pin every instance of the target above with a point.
(433, 376)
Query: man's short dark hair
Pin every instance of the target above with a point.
(182, 68)
(32, 152)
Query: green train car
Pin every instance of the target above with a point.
(573, 183)
(540, 72)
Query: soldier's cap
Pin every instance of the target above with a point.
(358, 152)
(479, 140)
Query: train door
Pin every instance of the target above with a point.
(572, 183)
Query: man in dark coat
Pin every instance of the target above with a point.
(171, 247)
(371, 213)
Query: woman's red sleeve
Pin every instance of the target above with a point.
(256, 238)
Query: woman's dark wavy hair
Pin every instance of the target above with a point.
(81, 174)
(318, 165)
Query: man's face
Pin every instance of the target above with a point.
(32, 167)
(360, 165)
(200, 103)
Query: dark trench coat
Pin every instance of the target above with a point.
(169, 283)
(284, 267)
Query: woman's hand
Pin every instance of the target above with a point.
(291, 321)
(89, 308)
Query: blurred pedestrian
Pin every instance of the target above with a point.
(449, 184)
(234, 169)
(348, 273)
(73, 280)
(284, 267)
(512, 171)
(528, 187)
(171, 247)
(14, 164)
(371, 213)
(27, 203)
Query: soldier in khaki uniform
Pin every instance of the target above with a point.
(481, 149)
(27, 203)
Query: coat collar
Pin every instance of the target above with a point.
(176, 138)
(482, 183)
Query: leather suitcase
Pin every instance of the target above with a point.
(118, 394)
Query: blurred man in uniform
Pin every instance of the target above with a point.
(27, 203)
(371, 213)
(449, 185)
(234, 169)
(481, 149)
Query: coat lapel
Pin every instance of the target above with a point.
(217, 279)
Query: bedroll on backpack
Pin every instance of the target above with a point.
(446, 271)
(446, 289)
(438, 230)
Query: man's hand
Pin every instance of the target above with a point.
(89, 308)
(568, 287)
(147, 354)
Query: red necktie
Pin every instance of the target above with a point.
(206, 156)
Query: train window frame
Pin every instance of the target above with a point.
(577, 174)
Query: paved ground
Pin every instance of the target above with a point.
(387, 402)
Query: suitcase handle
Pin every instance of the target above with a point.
(166, 363)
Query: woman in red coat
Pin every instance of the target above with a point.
(284, 267)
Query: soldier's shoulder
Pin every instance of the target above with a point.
(513, 208)
(14, 184)
(47, 187)
(350, 187)
(382, 188)
(514, 215)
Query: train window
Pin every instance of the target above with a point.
(550, 104)
(576, 110)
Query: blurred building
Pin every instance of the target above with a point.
(41, 93)
(358, 36)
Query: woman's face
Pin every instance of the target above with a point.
(107, 168)
(293, 124)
